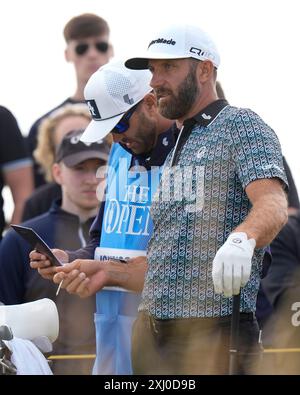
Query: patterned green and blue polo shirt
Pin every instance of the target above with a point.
(201, 199)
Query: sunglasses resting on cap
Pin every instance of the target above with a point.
(100, 46)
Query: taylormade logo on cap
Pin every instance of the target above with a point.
(178, 42)
(162, 41)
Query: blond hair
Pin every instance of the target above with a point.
(44, 154)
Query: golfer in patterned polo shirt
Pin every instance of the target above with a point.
(221, 200)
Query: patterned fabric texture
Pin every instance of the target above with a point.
(200, 200)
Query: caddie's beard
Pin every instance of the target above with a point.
(177, 106)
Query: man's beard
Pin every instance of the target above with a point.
(145, 140)
(178, 106)
(147, 136)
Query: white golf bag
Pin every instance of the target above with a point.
(34, 322)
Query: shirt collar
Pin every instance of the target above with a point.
(210, 112)
(165, 142)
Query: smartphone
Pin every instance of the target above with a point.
(36, 243)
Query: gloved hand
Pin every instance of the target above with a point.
(232, 264)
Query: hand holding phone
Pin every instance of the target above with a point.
(37, 243)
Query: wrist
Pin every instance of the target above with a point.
(116, 274)
(238, 238)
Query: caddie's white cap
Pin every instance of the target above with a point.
(109, 93)
(178, 42)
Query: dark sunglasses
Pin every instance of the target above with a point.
(123, 124)
(82, 48)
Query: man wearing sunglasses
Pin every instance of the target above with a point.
(88, 48)
(121, 102)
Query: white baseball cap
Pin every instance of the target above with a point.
(109, 93)
(178, 42)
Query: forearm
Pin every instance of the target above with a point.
(130, 276)
(266, 218)
(86, 277)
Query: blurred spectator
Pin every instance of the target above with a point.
(282, 288)
(50, 133)
(88, 48)
(293, 198)
(65, 225)
(15, 166)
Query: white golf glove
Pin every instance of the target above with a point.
(232, 264)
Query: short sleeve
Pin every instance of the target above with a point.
(255, 149)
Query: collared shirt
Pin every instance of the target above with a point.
(203, 118)
(201, 199)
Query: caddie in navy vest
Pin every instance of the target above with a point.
(120, 102)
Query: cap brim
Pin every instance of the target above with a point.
(75, 159)
(141, 63)
(97, 130)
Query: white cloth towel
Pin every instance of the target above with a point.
(27, 358)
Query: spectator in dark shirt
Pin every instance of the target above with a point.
(15, 166)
